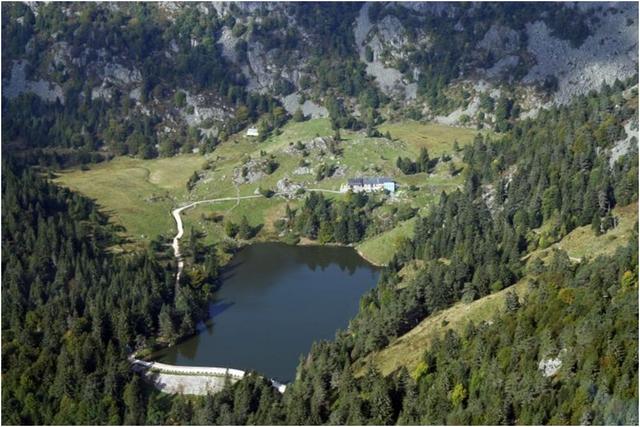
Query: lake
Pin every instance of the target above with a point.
(274, 302)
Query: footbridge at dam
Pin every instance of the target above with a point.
(198, 380)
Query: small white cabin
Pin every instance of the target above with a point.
(369, 184)
(252, 132)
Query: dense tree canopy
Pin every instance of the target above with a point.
(73, 310)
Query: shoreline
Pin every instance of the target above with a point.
(153, 352)
(308, 242)
(304, 241)
(157, 347)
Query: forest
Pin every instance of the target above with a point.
(84, 123)
(544, 171)
(74, 311)
(74, 308)
(183, 54)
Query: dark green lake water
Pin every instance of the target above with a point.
(275, 300)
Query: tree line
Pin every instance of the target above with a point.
(73, 311)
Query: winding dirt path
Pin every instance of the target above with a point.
(189, 379)
(322, 190)
(176, 216)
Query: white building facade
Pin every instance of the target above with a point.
(369, 185)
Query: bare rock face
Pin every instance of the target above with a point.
(503, 66)
(200, 108)
(309, 108)
(435, 8)
(551, 365)
(610, 53)
(454, 117)
(500, 40)
(260, 78)
(252, 171)
(136, 94)
(287, 188)
(228, 42)
(340, 171)
(119, 74)
(389, 79)
(18, 84)
(502, 57)
(392, 33)
(264, 65)
(627, 144)
(101, 92)
(314, 145)
(303, 170)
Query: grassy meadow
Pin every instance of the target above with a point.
(139, 194)
(436, 138)
(380, 249)
(582, 242)
(408, 349)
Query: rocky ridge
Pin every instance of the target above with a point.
(610, 52)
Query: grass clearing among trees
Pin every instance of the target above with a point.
(139, 194)
(436, 138)
(408, 349)
(381, 248)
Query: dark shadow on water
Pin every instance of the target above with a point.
(225, 277)
(190, 347)
(229, 271)
(205, 325)
(218, 307)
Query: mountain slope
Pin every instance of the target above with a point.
(557, 170)
(154, 79)
(407, 351)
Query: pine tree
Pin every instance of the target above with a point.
(325, 234)
(230, 229)
(155, 410)
(289, 214)
(340, 231)
(298, 116)
(596, 224)
(380, 404)
(134, 402)
(211, 265)
(511, 301)
(353, 230)
(244, 229)
(423, 160)
(166, 325)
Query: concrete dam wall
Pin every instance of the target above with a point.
(197, 380)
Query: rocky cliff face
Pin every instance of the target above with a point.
(532, 60)
(273, 49)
